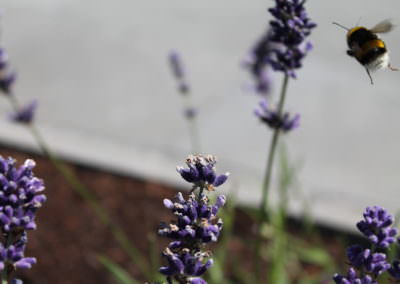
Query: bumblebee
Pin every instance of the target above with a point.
(369, 50)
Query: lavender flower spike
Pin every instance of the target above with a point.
(272, 119)
(201, 172)
(20, 198)
(376, 226)
(195, 226)
(178, 71)
(7, 78)
(371, 262)
(289, 30)
(25, 114)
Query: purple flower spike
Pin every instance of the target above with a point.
(26, 113)
(20, 197)
(196, 219)
(289, 30)
(178, 71)
(201, 172)
(283, 47)
(196, 222)
(176, 64)
(7, 78)
(376, 226)
(371, 262)
(273, 120)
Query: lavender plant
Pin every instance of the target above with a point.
(196, 225)
(20, 198)
(367, 264)
(282, 48)
(190, 112)
(285, 46)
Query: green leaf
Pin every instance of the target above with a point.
(315, 255)
(117, 271)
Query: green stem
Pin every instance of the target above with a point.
(192, 124)
(263, 211)
(194, 135)
(86, 194)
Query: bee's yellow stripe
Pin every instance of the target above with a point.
(352, 30)
(366, 47)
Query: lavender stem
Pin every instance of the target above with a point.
(263, 210)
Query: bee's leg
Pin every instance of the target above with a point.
(392, 68)
(369, 75)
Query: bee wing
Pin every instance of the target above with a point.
(383, 27)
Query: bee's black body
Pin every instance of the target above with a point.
(364, 45)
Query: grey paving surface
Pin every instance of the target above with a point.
(99, 70)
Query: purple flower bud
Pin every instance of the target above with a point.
(25, 114)
(220, 201)
(197, 280)
(273, 120)
(168, 203)
(190, 113)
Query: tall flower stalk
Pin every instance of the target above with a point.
(189, 112)
(24, 115)
(196, 223)
(282, 48)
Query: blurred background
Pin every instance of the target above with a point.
(108, 100)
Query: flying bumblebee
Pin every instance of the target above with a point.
(365, 45)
